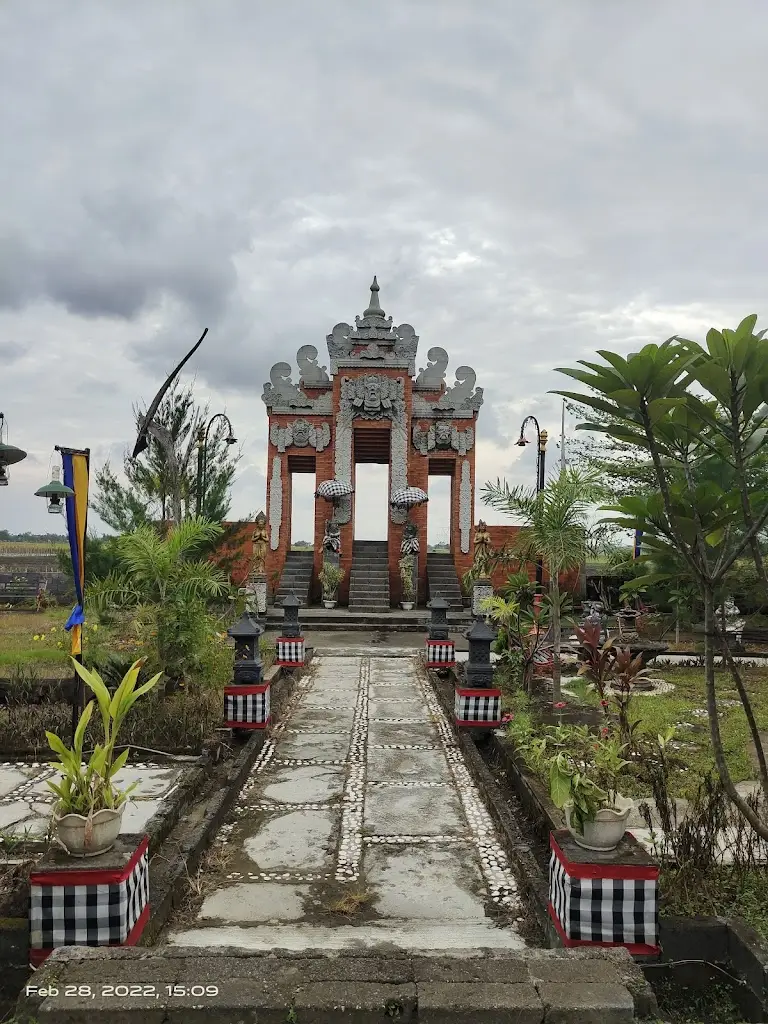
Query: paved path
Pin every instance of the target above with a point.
(360, 790)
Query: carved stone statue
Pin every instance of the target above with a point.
(409, 545)
(433, 374)
(482, 560)
(339, 341)
(406, 343)
(281, 391)
(332, 537)
(260, 539)
(310, 373)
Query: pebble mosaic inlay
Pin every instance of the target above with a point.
(351, 844)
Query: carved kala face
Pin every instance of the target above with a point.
(372, 393)
(443, 434)
(301, 433)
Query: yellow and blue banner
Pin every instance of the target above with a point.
(76, 465)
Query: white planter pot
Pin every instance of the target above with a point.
(608, 828)
(70, 830)
(407, 606)
(328, 604)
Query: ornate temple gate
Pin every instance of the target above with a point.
(372, 407)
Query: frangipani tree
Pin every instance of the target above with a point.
(700, 413)
(555, 529)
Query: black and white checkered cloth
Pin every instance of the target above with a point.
(247, 707)
(616, 910)
(478, 706)
(99, 914)
(290, 651)
(441, 652)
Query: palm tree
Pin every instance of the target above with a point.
(154, 569)
(555, 529)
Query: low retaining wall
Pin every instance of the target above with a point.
(175, 984)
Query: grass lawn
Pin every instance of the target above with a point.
(685, 708)
(17, 646)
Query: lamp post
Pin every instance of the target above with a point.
(541, 444)
(9, 455)
(202, 467)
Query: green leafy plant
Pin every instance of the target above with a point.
(587, 783)
(330, 577)
(405, 565)
(87, 788)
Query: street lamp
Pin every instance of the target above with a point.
(202, 441)
(541, 439)
(9, 455)
(54, 491)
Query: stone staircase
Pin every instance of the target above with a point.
(297, 576)
(369, 581)
(442, 580)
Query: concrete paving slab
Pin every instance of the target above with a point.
(153, 780)
(407, 766)
(398, 934)
(137, 814)
(388, 733)
(384, 710)
(324, 720)
(400, 691)
(294, 841)
(425, 883)
(256, 903)
(11, 779)
(13, 813)
(304, 784)
(395, 811)
(333, 697)
(323, 746)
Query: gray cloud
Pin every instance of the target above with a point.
(529, 182)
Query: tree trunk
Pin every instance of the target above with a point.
(761, 827)
(554, 591)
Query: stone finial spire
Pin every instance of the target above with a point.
(374, 309)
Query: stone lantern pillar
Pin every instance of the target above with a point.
(246, 698)
(479, 703)
(441, 652)
(290, 645)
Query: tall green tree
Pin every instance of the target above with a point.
(700, 414)
(148, 495)
(555, 529)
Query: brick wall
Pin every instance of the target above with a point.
(502, 536)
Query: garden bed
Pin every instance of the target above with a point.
(728, 943)
(179, 832)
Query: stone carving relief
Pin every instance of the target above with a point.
(374, 396)
(406, 344)
(276, 502)
(433, 374)
(332, 537)
(442, 436)
(463, 394)
(398, 454)
(465, 506)
(339, 343)
(311, 375)
(282, 395)
(300, 434)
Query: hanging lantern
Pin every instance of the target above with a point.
(9, 455)
(55, 491)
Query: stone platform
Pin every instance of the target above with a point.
(395, 620)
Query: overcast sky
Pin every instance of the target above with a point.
(530, 181)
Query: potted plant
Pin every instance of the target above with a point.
(89, 808)
(330, 578)
(406, 578)
(587, 790)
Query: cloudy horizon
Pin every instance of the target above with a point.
(529, 181)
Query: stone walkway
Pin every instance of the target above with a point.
(360, 795)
